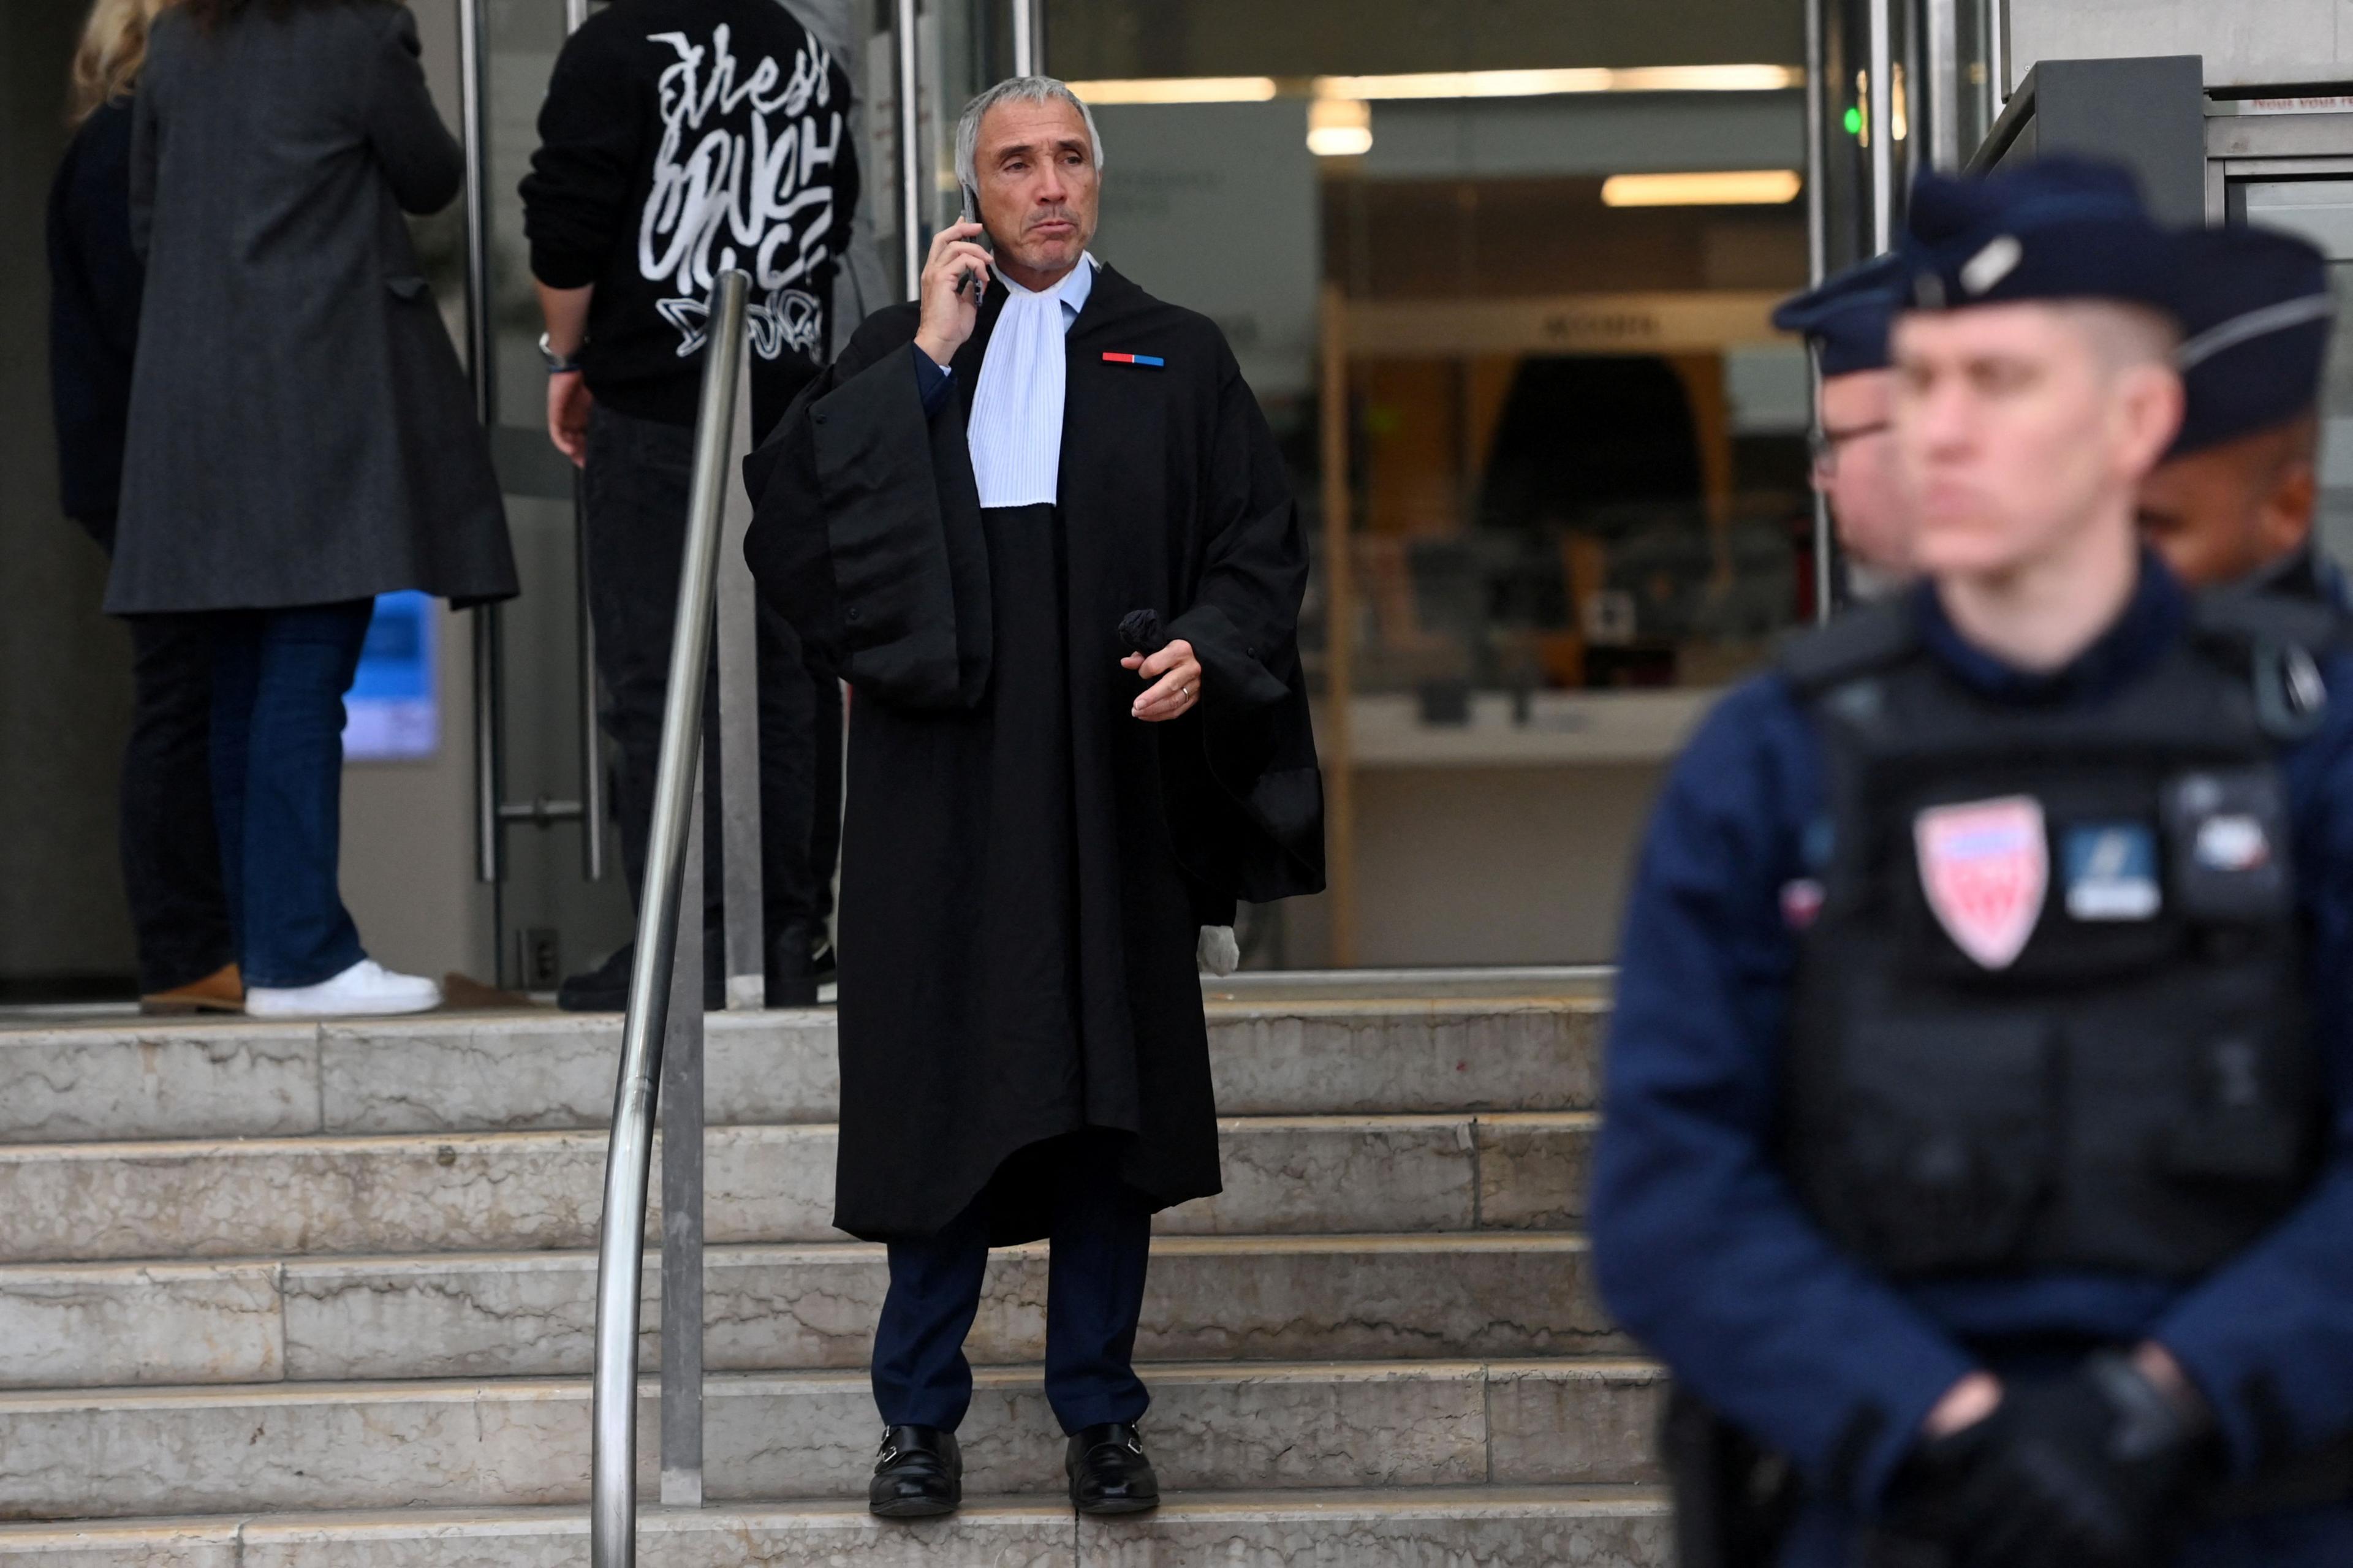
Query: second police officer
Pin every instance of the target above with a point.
(1978, 1148)
(1845, 321)
(2234, 500)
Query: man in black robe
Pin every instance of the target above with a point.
(1038, 522)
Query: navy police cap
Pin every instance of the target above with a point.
(2256, 314)
(1846, 316)
(2053, 228)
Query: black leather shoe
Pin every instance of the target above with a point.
(919, 1474)
(793, 965)
(1109, 1473)
(606, 988)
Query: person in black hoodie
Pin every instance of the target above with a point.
(681, 138)
(171, 857)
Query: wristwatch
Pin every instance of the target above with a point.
(556, 363)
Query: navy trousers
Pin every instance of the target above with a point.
(279, 681)
(1101, 1241)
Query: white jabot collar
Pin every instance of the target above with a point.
(1014, 433)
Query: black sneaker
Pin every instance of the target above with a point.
(919, 1474)
(606, 988)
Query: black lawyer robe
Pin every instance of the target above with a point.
(1024, 864)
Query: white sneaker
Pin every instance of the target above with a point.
(367, 986)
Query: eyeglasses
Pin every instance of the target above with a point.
(1824, 444)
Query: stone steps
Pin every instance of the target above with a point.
(483, 1072)
(502, 1191)
(291, 1294)
(241, 1448)
(1494, 1527)
(810, 1305)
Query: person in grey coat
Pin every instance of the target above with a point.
(300, 434)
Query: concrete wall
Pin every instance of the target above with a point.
(65, 669)
(2246, 43)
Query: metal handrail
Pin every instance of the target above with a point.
(620, 1255)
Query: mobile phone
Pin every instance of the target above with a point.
(971, 278)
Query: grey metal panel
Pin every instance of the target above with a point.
(2279, 135)
(739, 734)
(681, 1158)
(2148, 114)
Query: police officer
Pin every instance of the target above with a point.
(1845, 321)
(1977, 1145)
(2234, 500)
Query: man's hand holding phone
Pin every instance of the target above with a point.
(951, 306)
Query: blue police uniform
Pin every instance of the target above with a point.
(1847, 315)
(1704, 1247)
(2256, 313)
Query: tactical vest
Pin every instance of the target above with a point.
(2050, 1009)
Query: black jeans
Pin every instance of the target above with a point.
(171, 854)
(635, 489)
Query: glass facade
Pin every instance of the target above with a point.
(1500, 275)
(1504, 297)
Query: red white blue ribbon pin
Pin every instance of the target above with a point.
(1155, 361)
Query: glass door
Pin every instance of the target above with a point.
(528, 728)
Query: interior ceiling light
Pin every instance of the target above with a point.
(1540, 83)
(1445, 84)
(1178, 89)
(1339, 127)
(1740, 187)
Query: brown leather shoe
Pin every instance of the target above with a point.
(222, 991)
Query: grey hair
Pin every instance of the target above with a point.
(1015, 89)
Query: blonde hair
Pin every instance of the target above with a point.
(113, 47)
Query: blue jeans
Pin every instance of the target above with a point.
(279, 681)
